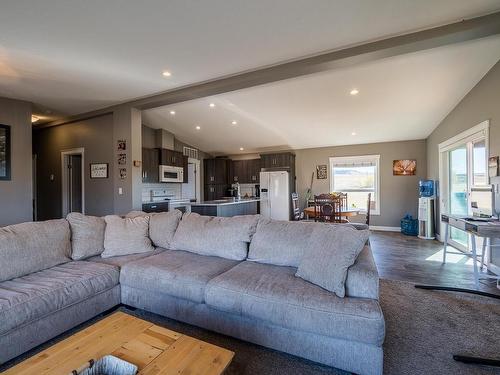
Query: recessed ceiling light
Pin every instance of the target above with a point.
(241, 148)
(172, 112)
(211, 105)
(34, 118)
(353, 133)
(166, 73)
(234, 122)
(198, 127)
(354, 92)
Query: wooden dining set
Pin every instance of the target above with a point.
(330, 208)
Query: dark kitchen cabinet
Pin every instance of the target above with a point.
(171, 158)
(280, 160)
(215, 191)
(245, 171)
(254, 171)
(216, 171)
(150, 165)
(185, 167)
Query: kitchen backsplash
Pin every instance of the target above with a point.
(173, 189)
(248, 189)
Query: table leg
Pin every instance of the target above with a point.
(445, 244)
(474, 258)
(485, 241)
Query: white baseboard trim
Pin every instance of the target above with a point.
(385, 229)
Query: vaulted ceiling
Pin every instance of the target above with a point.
(73, 56)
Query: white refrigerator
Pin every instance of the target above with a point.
(275, 195)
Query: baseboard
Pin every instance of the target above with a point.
(385, 229)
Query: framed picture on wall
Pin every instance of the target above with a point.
(99, 170)
(404, 167)
(321, 172)
(5, 146)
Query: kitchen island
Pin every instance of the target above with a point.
(227, 207)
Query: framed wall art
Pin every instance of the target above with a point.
(99, 170)
(321, 172)
(5, 149)
(404, 167)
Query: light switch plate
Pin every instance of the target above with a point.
(120, 191)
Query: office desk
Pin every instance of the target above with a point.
(485, 229)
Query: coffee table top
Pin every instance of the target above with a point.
(155, 350)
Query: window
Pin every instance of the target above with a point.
(357, 176)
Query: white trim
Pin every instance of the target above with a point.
(64, 177)
(376, 158)
(463, 136)
(475, 133)
(384, 228)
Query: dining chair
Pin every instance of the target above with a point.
(327, 208)
(297, 215)
(368, 208)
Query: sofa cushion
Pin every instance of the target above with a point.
(162, 227)
(125, 236)
(176, 273)
(225, 237)
(31, 297)
(330, 253)
(362, 278)
(87, 235)
(280, 243)
(273, 294)
(121, 260)
(31, 247)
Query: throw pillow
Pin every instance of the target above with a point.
(124, 236)
(330, 253)
(87, 235)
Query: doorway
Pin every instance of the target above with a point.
(192, 189)
(463, 165)
(73, 189)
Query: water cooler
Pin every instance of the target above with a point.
(426, 209)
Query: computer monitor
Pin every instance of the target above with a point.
(481, 201)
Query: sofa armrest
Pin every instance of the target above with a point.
(362, 277)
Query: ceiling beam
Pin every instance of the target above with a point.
(462, 31)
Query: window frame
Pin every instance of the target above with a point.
(366, 158)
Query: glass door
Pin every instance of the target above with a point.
(458, 192)
(467, 168)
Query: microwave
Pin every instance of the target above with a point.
(171, 174)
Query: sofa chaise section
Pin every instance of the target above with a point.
(44, 304)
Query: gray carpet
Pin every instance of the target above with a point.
(424, 328)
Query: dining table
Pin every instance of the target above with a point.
(345, 212)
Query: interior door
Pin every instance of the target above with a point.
(458, 188)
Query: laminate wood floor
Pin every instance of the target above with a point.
(400, 257)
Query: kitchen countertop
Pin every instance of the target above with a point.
(224, 202)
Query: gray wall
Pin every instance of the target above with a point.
(96, 137)
(398, 194)
(16, 195)
(481, 103)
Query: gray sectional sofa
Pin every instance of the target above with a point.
(249, 290)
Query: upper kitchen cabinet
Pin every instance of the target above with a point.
(280, 160)
(216, 171)
(171, 158)
(150, 165)
(245, 171)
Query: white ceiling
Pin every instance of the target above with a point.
(75, 56)
(400, 98)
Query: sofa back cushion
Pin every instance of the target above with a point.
(225, 237)
(87, 235)
(30, 247)
(125, 236)
(162, 227)
(281, 243)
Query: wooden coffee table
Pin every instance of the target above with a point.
(155, 350)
